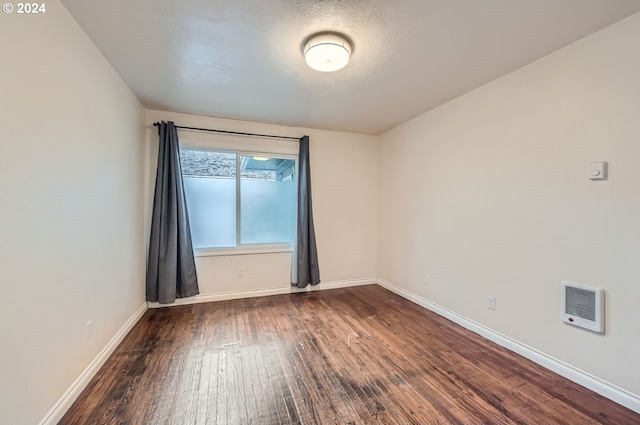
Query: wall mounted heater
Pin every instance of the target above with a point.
(583, 306)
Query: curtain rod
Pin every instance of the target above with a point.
(156, 124)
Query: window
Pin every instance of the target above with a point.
(238, 200)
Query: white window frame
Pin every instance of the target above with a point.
(244, 148)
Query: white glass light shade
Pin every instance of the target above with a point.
(327, 52)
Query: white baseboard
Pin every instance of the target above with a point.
(337, 284)
(233, 295)
(71, 394)
(604, 388)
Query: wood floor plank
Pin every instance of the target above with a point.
(202, 399)
(357, 355)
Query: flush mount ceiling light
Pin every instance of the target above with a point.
(327, 52)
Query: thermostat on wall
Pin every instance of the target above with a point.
(598, 170)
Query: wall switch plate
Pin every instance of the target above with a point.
(491, 303)
(88, 330)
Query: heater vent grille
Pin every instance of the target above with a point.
(581, 303)
(583, 306)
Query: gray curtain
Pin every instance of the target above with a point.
(305, 269)
(171, 268)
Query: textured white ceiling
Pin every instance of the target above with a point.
(242, 58)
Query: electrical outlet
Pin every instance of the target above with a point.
(426, 280)
(241, 272)
(491, 303)
(88, 330)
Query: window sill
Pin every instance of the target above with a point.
(248, 250)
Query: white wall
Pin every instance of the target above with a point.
(344, 188)
(71, 215)
(489, 195)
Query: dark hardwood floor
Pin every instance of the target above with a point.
(359, 355)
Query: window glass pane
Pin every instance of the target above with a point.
(210, 187)
(268, 200)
